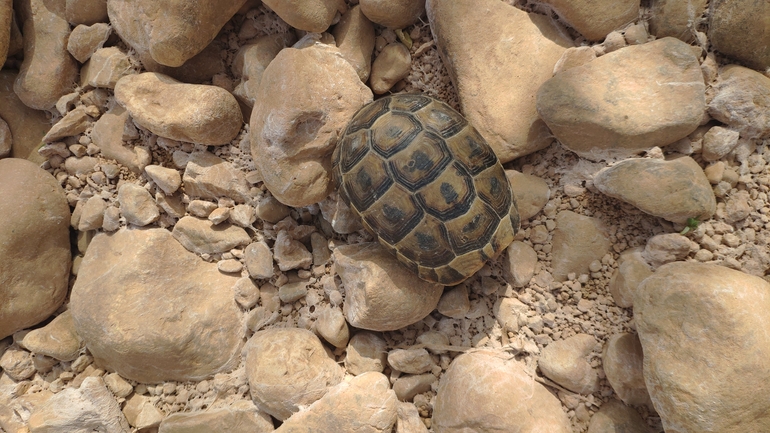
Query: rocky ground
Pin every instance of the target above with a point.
(174, 257)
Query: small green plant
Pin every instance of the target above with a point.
(692, 224)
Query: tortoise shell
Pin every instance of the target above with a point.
(426, 183)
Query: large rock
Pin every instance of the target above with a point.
(152, 311)
(304, 101)
(706, 345)
(742, 101)
(381, 293)
(34, 245)
(204, 237)
(195, 113)
(677, 19)
(595, 19)
(500, 105)
(240, 417)
(741, 29)
(309, 15)
(674, 190)
(48, 71)
(626, 101)
(394, 14)
(170, 32)
(6, 17)
(566, 363)
(354, 35)
(578, 240)
(622, 361)
(251, 60)
(28, 126)
(491, 392)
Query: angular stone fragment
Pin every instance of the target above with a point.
(131, 329)
(622, 362)
(309, 15)
(626, 101)
(105, 67)
(251, 60)
(577, 241)
(354, 35)
(137, 205)
(141, 413)
(305, 100)
(35, 253)
(393, 14)
(85, 40)
(108, 134)
(595, 19)
(519, 264)
(718, 142)
(366, 352)
(73, 123)
(706, 343)
(58, 339)
(565, 362)
(209, 176)
(240, 417)
(17, 364)
(203, 237)
(674, 190)
(741, 29)
(291, 254)
(167, 179)
(665, 248)
(742, 101)
(410, 361)
(406, 387)
(332, 327)
(382, 294)
(195, 113)
(490, 391)
(500, 106)
(632, 270)
(390, 66)
(86, 12)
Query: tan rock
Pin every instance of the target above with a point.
(48, 71)
(141, 413)
(241, 417)
(85, 40)
(167, 179)
(718, 142)
(575, 56)
(209, 176)
(676, 19)
(500, 106)
(6, 17)
(366, 352)
(519, 264)
(454, 302)
(725, 309)
(674, 190)
(636, 34)
(271, 210)
(531, 192)
(601, 110)
(17, 364)
(58, 339)
(117, 385)
(337, 213)
(410, 361)
(365, 404)
(406, 387)
(622, 361)
(354, 35)
(577, 241)
(742, 101)
(251, 60)
(290, 253)
(89, 408)
(288, 368)
(305, 100)
(382, 294)
(87, 12)
(259, 260)
(741, 29)
(393, 14)
(309, 15)
(332, 327)
(632, 270)
(184, 112)
(593, 19)
(614, 416)
(390, 66)
(27, 125)
(490, 391)
(73, 123)
(131, 330)
(510, 314)
(665, 248)
(108, 133)
(6, 140)
(34, 245)
(200, 235)
(173, 31)
(566, 363)
(137, 205)
(105, 67)
(409, 420)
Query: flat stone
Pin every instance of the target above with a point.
(366, 351)
(27, 125)
(92, 217)
(578, 240)
(531, 192)
(167, 179)
(117, 385)
(105, 67)
(131, 330)
(137, 205)
(259, 260)
(58, 339)
(271, 210)
(718, 142)
(35, 253)
(201, 236)
(741, 29)
(725, 309)
(406, 387)
(632, 270)
(665, 248)
(622, 362)
(208, 176)
(332, 327)
(141, 413)
(565, 362)
(674, 190)
(73, 123)
(240, 417)
(291, 254)
(410, 361)
(393, 14)
(454, 302)
(500, 106)
(17, 364)
(601, 110)
(742, 100)
(86, 12)
(382, 294)
(595, 19)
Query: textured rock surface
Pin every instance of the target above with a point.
(614, 416)
(531, 192)
(706, 347)
(208, 176)
(395, 14)
(252, 59)
(595, 19)
(242, 417)
(309, 15)
(354, 35)
(742, 101)
(566, 363)
(34, 245)
(622, 362)
(676, 18)
(741, 29)
(145, 337)
(58, 339)
(577, 241)
(27, 125)
(204, 237)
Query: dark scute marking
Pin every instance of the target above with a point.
(472, 224)
(367, 115)
(448, 192)
(409, 102)
(450, 276)
(481, 155)
(393, 132)
(392, 213)
(426, 242)
(363, 179)
(495, 187)
(420, 162)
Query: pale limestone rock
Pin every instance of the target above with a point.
(58, 339)
(171, 205)
(243, 215)
(137, 205)
(676, 18)
(632, 270)
(117, 385)
(366, 352)
(531, 192)
(674, 190)
(500, 106)
(706, 345)
(572, 57)
(519, 264)
(86, 12)
(246, 292)
(92, 217)
(80, 410)
(406, 387)
(354, 35)
(394, 14)
(410, 361)
(510, 314)
(108, 134)
(251, 60)
(622, 362)
(73, 123)
(454, 302)
(201, 208)
(741, 29)
(167, 179)
(219, 215)
(105, 67)
(259, 260)
(230, 266)
(171, 31)
(17, 364)
(577, 241)
(409, 420)
(390, 66)
(85, 40)
(365, 404)
(305, 100)
(141, 413)
(34, 245)
(737, 207)
(48, 71)
(194, 113)
(209, 176)
(614, 416)
(627, 101)
(718, 142)
(240, 417)
(665, 248)
(742, 100)
(337, 213)
(490, 391)
(595, 19)
(131, 330)
(288, 368)
(320, 249)
(271, 210)
(200, 235)
(332, 327)
(309, 15)
(27, 125)
(6, 17)
(291, 254)
(382, 294)
(111, 219)
(12, 407)
(636, 34)
(77, 166)
(565, 362)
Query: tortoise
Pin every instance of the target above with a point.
(427, 184)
